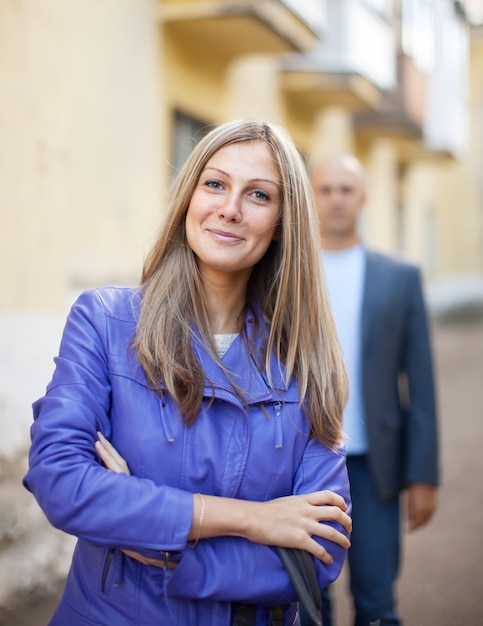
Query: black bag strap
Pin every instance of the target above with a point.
(301, 569)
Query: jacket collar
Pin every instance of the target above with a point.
(243, 370)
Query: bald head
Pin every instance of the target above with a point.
(347, 162)
(339, 187)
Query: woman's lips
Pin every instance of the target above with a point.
(221, 235)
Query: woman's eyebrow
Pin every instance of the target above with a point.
(252, 180)
(216, 169)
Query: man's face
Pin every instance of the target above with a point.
(340, 196)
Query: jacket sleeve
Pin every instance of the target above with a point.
(73, 489)
(421, 438)
(214, 568)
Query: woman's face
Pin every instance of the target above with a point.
(234, 209)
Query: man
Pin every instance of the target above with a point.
(390, 418)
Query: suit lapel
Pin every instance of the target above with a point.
(371, 293)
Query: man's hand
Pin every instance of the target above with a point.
(421, 503)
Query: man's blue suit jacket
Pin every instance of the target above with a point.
(397, 377)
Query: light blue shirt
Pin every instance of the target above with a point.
(344, 273)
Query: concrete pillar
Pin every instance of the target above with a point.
(332, 133)
(380, 223)
(34, 156)
(253, 88)
(421, 224)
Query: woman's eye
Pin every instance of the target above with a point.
(213, 184)
(261, 195)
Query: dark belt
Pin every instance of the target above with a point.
(244, 615)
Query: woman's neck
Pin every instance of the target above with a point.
(226, 307)
(227, 319)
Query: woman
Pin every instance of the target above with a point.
(220, 383)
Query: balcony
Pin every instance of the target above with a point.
(402, 111)
(235, 28)
(430, 100)
(352, 66)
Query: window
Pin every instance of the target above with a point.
(418, 32)
(383, 7)
(187, 131)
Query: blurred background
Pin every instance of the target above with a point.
(100, 103)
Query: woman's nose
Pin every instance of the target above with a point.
(230, 208)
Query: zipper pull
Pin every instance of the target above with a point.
(277, 407)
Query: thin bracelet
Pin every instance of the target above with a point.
(192, 544)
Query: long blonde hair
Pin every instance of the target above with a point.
(287, 283)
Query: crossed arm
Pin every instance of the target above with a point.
(290, 521)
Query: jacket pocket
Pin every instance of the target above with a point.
(112, 570)
(107, 568)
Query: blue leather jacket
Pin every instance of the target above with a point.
(257, 451)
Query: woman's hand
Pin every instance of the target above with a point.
(290, 521)
(114, 462)
(293, 521)
(111, 458)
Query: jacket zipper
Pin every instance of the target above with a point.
(277, 408)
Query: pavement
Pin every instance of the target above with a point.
(442, 578)
(441, 583)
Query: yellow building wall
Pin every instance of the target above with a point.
(88, 92)
(80, 153)
(459, 188)
(473, 164)
(193, 81)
